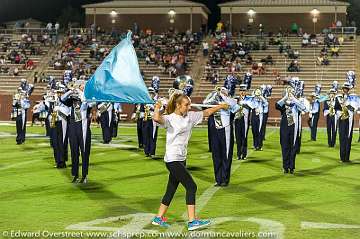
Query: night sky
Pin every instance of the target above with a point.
(50, 10)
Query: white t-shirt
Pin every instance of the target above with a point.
(178, 132)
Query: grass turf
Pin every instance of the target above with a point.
(35, 196)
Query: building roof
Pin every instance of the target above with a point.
(143, 3)
(254, 3)
(30, 20)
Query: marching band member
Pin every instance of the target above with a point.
(230, 83)
(49, 100)
(25, 86)
(116, 118)
(289, 107)
(59, 126)
(20, 105)
(314, 115)
(242, 122)
(79, 130)
(345, 106)
(138, 115)
(247, 80)
(210, 121)
(299, 94)
(150, 128)
(222, 137)
(266, 92)
(36, 111)
(257, 105)
(331, 118)
(351, 78)
(106, 113)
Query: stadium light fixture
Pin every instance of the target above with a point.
(315, 12)
(113, 13)
(171, 12)
(251, 12)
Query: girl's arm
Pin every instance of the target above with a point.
(157, 117)
(212, 110)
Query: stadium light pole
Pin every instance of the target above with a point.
(94, 16)
(315, 13)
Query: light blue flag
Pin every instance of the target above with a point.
(118, 78)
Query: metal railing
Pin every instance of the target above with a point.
(26, 30)
(344, 30)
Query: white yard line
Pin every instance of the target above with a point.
(321, 225)
(15, 165)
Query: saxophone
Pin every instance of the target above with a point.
(344, 115)
(54, 116)
(331, 108)
(147, 113)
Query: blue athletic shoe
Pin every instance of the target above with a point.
(160, 221)
(196, 224)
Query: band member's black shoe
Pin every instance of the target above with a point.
(75, 179)
(83, 180)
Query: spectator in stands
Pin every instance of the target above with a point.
(29, 65)
(306, 40)
(215, 78)
(341, 40)
(249, 60)
(58, 65)
(257, 69)
(16, 71)
(49, 26)
(294, 28)
(323, 60)
(334, 51)
(205, 48)
(293, 54)
(17, 59)
(268, 60)
(294, 66)
(43, 78)
(339, 24)
(36, 77)
(313, 40)
(57, 27)
(4, 69)
(2, 60)
(238, 66)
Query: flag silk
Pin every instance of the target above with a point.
(118, 78)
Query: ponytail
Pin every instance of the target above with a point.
(175, 99)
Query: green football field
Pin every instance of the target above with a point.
(322, 199)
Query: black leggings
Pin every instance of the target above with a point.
(179, 174)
